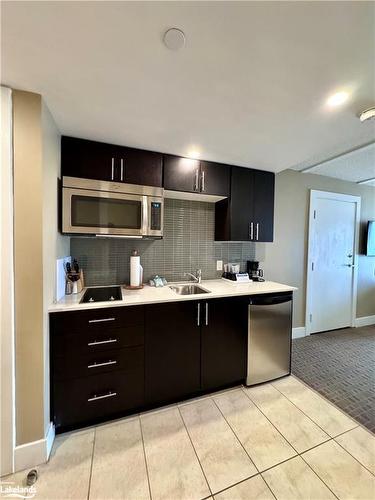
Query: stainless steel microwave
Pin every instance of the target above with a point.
(111, 208)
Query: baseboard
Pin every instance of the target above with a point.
(364, 321)
(34, 453)
(298, 332)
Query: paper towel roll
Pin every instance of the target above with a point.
(135, 270)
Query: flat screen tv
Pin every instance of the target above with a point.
(370, 246)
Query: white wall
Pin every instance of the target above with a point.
(55, 245)
(284, 260)
(7, 434)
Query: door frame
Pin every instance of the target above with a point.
(7, 350)
(314, 196)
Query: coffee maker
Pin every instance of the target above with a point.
(255, 274)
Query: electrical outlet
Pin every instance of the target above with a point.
(219, 265)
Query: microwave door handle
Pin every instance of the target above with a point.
(145, 218)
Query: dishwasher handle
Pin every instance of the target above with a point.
(271, 299)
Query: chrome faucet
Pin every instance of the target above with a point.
(197, 276)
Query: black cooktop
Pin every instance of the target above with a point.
(102, 294)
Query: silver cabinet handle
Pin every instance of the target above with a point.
(113, 169)
(257, 231)
(98, 342)
(196, 184)
(206, 313)
(198, 314)
(203, 183)
(122, 169)
(251, 230)
(101, 320)
(110, 394)
(105, 363)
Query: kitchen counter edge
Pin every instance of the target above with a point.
(150, 295)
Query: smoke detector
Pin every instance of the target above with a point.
(367, 114)
(174, 39)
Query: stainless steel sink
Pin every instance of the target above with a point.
(188, 289)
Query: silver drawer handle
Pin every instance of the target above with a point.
(122, 169)
(257, 236)
(109, 395)
(101, 320)
(98, 342)
(113, 169)
(106, 363)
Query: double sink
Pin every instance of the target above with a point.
(113, 293)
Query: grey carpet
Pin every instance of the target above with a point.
(340, 365)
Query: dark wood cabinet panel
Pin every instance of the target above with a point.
(215, 178)
(172, 351)
(136, 166)
(247, 215)
(264, 193)
(87, 159)
(91, 399)
(181, 174)
(194, 176)
(108, 162)
(224, 342)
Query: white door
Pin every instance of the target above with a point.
(331, 290)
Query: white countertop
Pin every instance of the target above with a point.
(151, 295)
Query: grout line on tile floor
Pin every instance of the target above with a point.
(238, 439)
(195, 451)
(356, 459)
(273, 425)
(340, 410)
(144, 455)
(317, 475)
(91, 465)
(308, 416)
(349, 430)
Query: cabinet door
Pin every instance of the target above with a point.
(172, 351)
(181, 174)
(224, 341)
(136, 166)
(87, 159)
(214, 178)
(264, 186)
(241, 204)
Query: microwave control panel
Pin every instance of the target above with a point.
(155, 223)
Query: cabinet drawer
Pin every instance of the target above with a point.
(93, 341)
(84, 400)
(65, 368)
(97, 320)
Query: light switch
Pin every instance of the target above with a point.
(219, 265)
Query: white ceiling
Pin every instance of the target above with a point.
(249, 88)
(355, 166)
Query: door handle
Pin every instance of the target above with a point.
(105, 363)
(196, 183)
(203, 183)
(99, 342)
(101, 320)
(257, 232)
(113, 169)
(198, 314)
(251, 230)
(109, 394)
(206, 313)
(122, 169)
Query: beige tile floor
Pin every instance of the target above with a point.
(278, 440)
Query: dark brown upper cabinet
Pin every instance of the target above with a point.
(247, 215)
(194, 176)
(108, 162)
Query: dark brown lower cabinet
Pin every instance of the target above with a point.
(172, 351)
(224, 342)
(109, 362)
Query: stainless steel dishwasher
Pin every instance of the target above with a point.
(269, 337)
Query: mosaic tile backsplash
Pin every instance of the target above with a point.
(188, 244)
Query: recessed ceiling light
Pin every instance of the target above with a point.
(194, 153)
(337, 99)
